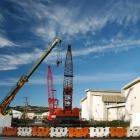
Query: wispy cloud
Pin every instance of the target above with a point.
(124, 12)
(14, 61)
(113, 45)
(58, 80)
(70, 20)
(4, 42)
(10, 62)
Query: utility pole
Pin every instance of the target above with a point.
(25, 109)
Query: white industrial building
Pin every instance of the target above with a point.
(102, 105)
(30, 115)
(131, 91)
(16, 114)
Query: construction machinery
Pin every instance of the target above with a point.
(68, 81)
(52, 101)
(7, 100)
(67, 116)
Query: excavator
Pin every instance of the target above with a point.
(25, 78)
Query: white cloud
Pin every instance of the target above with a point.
(13, 61)
(124, 12)
(68, 20)
(5, 42)
(58, 80)
(113, 45)
(9, 62)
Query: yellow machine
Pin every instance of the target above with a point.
(7, 100)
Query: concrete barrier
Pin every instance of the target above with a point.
(24, 131)
(133, 132)
(58, 131)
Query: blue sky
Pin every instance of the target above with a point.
(104, 35)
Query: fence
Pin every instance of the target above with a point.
(71, 132)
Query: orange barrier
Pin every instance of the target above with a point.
(122, 132)
(40, 131)
(113, 131)
(118, 132)
(10, 131)
(78, 132)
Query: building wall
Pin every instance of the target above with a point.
(117, 113)
(132, 107)
(16, 114)
(30, 115)
(97, 108)
(94, 108)
(84, 111)
(112, 114)
(128, 111)
(121, 113)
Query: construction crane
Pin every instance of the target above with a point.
(68, 81)
(7, 100)
(52, 101)
(67, 116)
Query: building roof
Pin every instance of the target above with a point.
(113, 98)
(83, 99)
(16, 112)
(132, 83)
(107, 91)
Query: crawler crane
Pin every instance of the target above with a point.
(67, 116)
(52, 100)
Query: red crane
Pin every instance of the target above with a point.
(52, 101)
